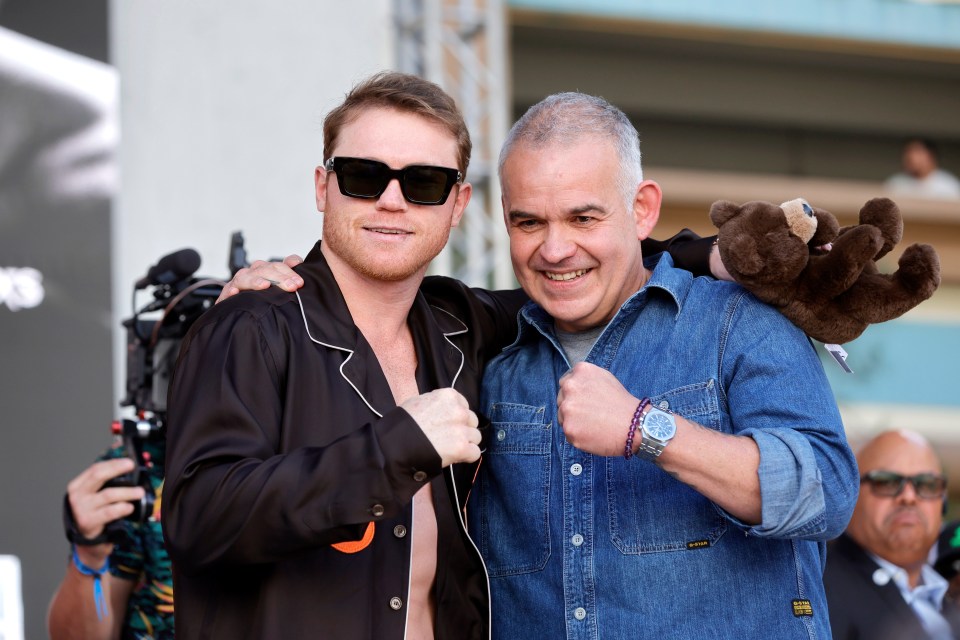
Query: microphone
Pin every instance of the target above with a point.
(171, 268)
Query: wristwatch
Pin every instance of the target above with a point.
(657, 428)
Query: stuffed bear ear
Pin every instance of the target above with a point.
(827, 228)
(884, 214)
(742, 251)
(723, 210)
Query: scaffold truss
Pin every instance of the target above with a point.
(461, 45)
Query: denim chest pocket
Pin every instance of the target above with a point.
(512, 491)
(650, 511)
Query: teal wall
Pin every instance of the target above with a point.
(901, 362)
(895, 21)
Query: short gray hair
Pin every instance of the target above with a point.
(566, 118)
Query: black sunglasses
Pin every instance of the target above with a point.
(890, 484)
(419, 183)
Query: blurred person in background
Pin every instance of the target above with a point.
(878, 580)
(118, 582)
(922, 176)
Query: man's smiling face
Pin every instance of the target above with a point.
(574, 243)
(387, 238)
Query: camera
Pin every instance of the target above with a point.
(130, 439)
(153, 344)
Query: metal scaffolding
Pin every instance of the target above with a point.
(461, 45)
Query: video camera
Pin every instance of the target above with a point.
(152, 348)
(153, 344)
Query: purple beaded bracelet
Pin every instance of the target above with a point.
(634, 423)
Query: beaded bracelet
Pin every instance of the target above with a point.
(97, 574)
(631, 432)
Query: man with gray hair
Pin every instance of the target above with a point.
(667, 457)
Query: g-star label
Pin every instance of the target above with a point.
(802, 608)
(698, 544)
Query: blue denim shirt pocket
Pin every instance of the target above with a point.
(513, 491)
(650, 511)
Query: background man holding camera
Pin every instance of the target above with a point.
(118, 582)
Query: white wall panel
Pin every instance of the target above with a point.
(221, 112)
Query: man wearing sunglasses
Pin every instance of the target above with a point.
(878, 580)
(321, 445)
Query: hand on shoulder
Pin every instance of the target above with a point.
(261, 275)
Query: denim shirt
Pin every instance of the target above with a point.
(584, 546)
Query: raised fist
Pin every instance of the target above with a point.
(446, 419)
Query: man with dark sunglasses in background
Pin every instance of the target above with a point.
(878, 580)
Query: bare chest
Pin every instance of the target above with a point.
(398, 360)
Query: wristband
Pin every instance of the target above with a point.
(98, 599)
(632, 431)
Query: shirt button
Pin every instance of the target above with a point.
(377, 510)
(501, 435)
(580, 613)
(576, 469)
(664, 405)
(420, 476)
(577, 540)
(396, 603)
(399, 531)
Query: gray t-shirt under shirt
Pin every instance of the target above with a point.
(578, 344)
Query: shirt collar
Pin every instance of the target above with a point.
(932, 587)
(674, 282)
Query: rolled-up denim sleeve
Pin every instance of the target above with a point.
(779, 395)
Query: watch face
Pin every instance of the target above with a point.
(660, 425)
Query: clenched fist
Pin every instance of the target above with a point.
(594, 410)
(446, 419)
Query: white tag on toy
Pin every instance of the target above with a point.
(839, 355)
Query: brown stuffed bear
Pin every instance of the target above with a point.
(776, 253)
